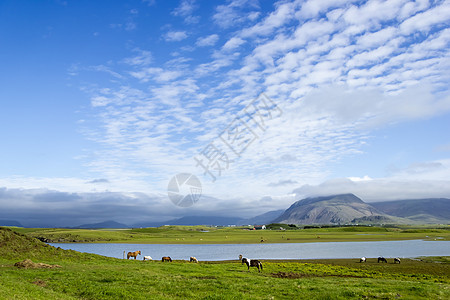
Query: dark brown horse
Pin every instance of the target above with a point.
(133, 254)
(252, 263)
(166, 258)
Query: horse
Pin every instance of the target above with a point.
(252, 263)
(193, 259)
(133, 254)
(382, 259)
(166, 258)
(147, 258)
(240, 257)
(396, 260)
(362, 259)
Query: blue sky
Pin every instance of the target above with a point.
(102, 102)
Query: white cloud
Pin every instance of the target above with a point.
(143, 58)
(175, 36)
(423, 21)
(185, 9)
(234, 12)
(233, 43)
(209, 40)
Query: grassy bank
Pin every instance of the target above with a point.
(88, 276)
(230, 235)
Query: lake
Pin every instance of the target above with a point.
(322, 250)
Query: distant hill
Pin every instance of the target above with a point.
(106, 224)
(193, 220)
(262, 219)
(431, 211)
(10, 223)
(336, 209)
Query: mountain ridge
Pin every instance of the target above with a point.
(334, 209)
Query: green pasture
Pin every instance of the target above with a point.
(237, 235)
(89, 276)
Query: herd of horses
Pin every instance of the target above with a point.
(164, 259)
(380, 259)
(248, 262)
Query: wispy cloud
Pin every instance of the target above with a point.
(175, 36)
(235, 12)
(186, 9)
(209, 40)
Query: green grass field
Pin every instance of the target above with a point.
(230, 235)
(88, 276)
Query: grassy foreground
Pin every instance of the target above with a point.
(88, 276)
(230, 235)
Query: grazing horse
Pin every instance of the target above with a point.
(396, 260)
(133, 254)
(166, 258)
(362, 259)
(252, 263)
(147, 258)
(240, 257)
(382, 259)
(193, 259)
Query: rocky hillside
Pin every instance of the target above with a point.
(336, 209)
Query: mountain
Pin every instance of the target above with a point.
(10, 223)
(336, 209)
(106, 224)
(193, 220)
(262, 219)
(431, 211)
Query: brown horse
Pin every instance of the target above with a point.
(133, 254)
(166, 258)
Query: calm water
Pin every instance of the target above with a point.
(413, 248)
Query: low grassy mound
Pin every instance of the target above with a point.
(16, 246)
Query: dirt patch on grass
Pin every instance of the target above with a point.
(290, 275)
(205, 277)
(29, 264)
(39, 282)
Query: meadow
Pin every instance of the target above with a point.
(238, 235)
(89, 276)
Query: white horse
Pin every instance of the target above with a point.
(193, 259)
(396, 260)
(147, 258)
(362, 259)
